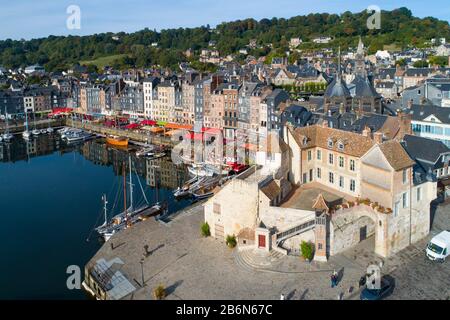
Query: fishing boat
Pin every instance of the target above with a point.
(132, 214)
(77, 136)
(117, 141)
(185, 190)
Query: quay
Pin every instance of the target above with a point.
(125, 265)
(134, 136)
(40, 124)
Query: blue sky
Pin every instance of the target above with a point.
(31, 19)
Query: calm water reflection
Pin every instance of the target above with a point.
(50, 200)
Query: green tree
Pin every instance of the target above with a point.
(307, 249)
(441, 61)
(420, 64)
(204, 229)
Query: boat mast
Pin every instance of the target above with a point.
(26, 120)
(125, 194)
(6, 118)
(105, 202)
(131, 188)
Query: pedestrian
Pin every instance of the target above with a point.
(335, 277)
(333, 280)
(282, 297)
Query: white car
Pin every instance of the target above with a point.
(439, 247)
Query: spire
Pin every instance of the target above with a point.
(339, 64)
(360, 50)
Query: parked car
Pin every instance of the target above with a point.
(439, 247)
(387, 285)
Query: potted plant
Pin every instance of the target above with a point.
(231, 241)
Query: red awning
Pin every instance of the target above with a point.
(148, 122)
(132, 126)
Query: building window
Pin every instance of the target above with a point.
(405, 200)
(330, 143)
(330, 158)
(352, 165)
(310, 175)
(404, 179)
(419, 194)
(352, 185)
(396, 208)
(319, 173)
(319, 155)
(331, 177)
(319, 246)
(341, 162)
(340, 146)
(341, 182)
(309, 155)
(216, 208)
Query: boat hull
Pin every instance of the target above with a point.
(118, 142)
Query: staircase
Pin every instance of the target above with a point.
(294, 231)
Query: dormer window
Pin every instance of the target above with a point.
(305, 141)
(340, 146)
(330, 143)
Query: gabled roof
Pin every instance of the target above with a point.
(318, 136)
(337, 88)
(394, 153)
(363, 87)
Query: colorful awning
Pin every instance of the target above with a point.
(132, 126)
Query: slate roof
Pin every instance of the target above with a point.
(426, 151)
(364, 88)
(337, 88)
(420, 112)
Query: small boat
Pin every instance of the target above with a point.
(77, 136)
(50, 130)
(154, 156)
(200, 170)
(36, 132)
(202, 195)
(142, 152)
(26, 134)
(117, 141)
(7, 137)
(43, 131)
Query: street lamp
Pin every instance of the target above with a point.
(142, 271)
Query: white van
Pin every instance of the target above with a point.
(439, 247)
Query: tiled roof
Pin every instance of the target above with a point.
(271, 189)
(397, 157)
(317, 136)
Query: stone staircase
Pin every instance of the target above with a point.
(254, 259)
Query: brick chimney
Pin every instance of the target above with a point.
(366, 132)
(404, 120)
(378, 137)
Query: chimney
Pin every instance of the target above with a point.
(404, 120)
(341, 108)
(378, 137)
(410, 103)
(366, 132)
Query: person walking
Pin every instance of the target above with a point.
(333, 280)
(282, 297)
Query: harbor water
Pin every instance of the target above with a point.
(50, 202)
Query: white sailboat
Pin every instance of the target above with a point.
(130, 215)
(26, 134)
(7, 136)
(35, 131)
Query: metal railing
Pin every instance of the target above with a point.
(305, 226)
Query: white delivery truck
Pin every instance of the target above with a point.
(439, 247)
